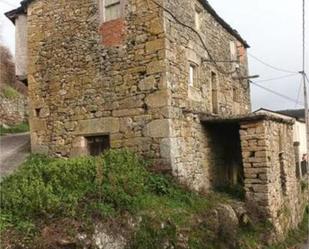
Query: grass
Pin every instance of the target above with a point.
(10, 93)
(71, 195)
(20, 128)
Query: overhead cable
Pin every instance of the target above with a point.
(271, 66)
(276, 93)
(199, 36)
(278, 78)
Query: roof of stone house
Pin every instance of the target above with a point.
(12, 15)
(210, 119)
(298, 114)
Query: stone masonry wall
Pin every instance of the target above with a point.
(132, 85)
(271, 181)
(190, 151)
(81, 84)
(13, 111)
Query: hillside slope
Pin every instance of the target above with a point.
(115, 202)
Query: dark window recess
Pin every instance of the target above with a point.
(37, 112)
(98, 144)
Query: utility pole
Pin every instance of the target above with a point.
(306, 113)
(304, 81)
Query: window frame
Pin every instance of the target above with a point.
(193, 78)
(233, 51)
(197, 17)
(103, 7)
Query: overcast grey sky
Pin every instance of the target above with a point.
(271, 27)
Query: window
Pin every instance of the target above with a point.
(233, 51)
(97, 144)
(37, 112)
(236, 94)
(214, 93)
(192, 74)
(112, 10)
(197, 17)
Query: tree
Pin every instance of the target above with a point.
(7, 67)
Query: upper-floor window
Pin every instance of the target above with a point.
(233, 51)
(192, 74)
(112, 9)
(197, 17)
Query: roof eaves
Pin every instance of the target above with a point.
(12, 15)
(22, 9)
(224, 24)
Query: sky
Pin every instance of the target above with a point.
(273, 29)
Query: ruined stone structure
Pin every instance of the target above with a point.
(148, 75)
(271, 181)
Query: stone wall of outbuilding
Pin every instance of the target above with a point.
(270, 170)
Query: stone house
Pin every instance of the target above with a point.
(164, 78)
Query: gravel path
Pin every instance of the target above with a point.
(14, 149)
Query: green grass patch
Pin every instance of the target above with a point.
(10, 93)
(20, 128)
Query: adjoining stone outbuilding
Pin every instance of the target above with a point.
(268, 171)
(149, 75)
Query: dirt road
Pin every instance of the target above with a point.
(13, 151)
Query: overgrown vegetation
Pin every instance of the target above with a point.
(110, 188)
(20, 128)
(9, 92)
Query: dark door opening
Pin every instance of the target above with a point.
(226, 155)
(98, 144)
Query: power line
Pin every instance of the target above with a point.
(276, 93)
(269, 65)
(278, 78)
(199, 36)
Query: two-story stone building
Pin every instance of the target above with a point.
(164, 78)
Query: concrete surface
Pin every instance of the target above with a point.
(14, 149)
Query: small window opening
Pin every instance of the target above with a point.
(192, 74)
(233, 51)
(98, 144)
(197, 17)
(252, 154)
(37, 112)
(214, 93)
(112, 10)
(282, 174)
(235, 94)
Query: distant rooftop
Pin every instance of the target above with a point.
(298, 114)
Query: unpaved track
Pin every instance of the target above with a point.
(306, 246)
(14, 149)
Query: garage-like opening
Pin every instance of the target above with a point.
(96, 145)
(226, 156)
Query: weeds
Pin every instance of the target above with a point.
(20, 128)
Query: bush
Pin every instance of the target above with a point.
(46, 187)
